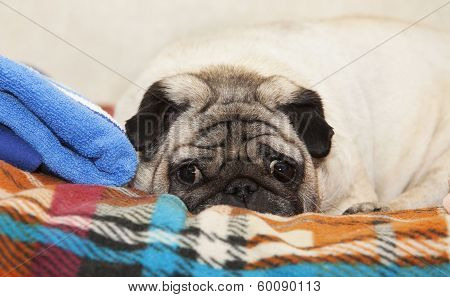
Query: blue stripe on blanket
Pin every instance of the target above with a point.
(167, 221)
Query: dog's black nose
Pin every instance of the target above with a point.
(242, 188)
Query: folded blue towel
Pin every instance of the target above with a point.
(17, 152)
(77, 140)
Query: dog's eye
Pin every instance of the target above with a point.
(282, 170)
(189, 174)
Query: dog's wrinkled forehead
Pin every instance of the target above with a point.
(175, 109)
(225, 85)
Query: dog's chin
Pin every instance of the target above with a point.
(262, 201)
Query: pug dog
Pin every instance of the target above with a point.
(293, 118)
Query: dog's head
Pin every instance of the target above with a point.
(230, 136)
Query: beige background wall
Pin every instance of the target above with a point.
(126, 34)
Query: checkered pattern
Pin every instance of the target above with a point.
(51, 228)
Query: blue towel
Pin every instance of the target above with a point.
(17, 152)
(77, 140)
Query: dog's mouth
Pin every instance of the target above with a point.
(251, 196)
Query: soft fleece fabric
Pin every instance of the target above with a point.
(76, 139)
(49, 228)
(17, 152)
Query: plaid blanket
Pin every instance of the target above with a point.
(51, 228)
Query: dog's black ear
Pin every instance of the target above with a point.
(151, 123)
(307, 116)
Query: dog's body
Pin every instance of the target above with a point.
(390, 109)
